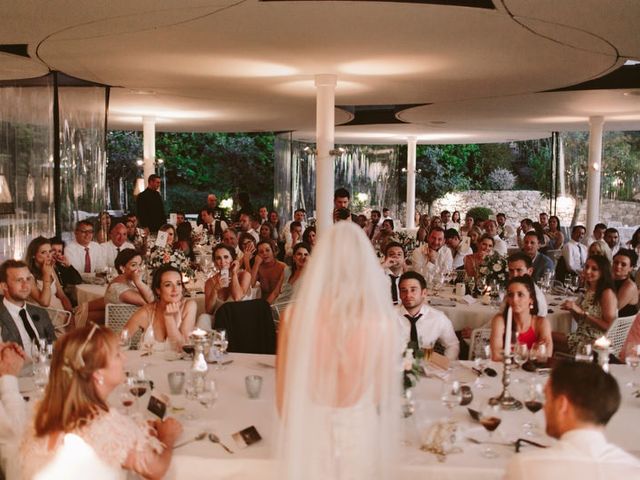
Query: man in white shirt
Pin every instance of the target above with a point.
(597, 234)
(458, 249)
(505, 231)
(84, 254)
(499, 245)
(574, 252)
(245, 226)
(19, 322)
(298, 216)
(214, 226)
(518, 265)
(539, 261)
(544, 221)
(445, 216)
(373, 225)
(263, 215)
(394, 266)
(230, 237)
(432, 256)
(612, 237)
(117, 242)
(421, 324)
(580, 400)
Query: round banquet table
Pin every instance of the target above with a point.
(235, 411)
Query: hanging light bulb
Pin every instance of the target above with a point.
(31, 189)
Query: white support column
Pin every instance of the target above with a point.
(149, 146)
(325, 134)
(595, 171)
(411, 182)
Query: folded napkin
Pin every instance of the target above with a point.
(441, 302)
(468, 299)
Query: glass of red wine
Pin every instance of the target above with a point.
(534, 402)
(127, 399)
(490, 419)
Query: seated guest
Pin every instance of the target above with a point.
(529, 328)
(171, 236)
(230, 237)
(67, 275)
(597, 234)
(423, 228)
(248, 246)
(458, 249)
(435, 222)
(600, 247)
(455, 218)
(526, 225)
(13, 408)
(472, 262)
(47, 291)
(274, 221)
(518, 265)
(167, 322)
(468, 225)
(386, 214)
(298, 216)
(626, 290)
(505, 231)
(542, 234)
(556, 237)
(268, 271)
(373, 224)
(20, 322)
(244, 224)
(263, 215)
(612, 237)
(229, 284)
(595, 311)
(309, 236)
(180, 219)
(634, 243)
(394, 265)
(499, 245)
(432, 256)
(574, 252)
(384, 235)
(580, 400)
(84, 254)
(87, 366)
(361, 221)
(543, 221)
(184, 241)
(128, 286)
(539, 261)
(474, 237)
(447, 222)
(103, 227)
(421, 324)
(214, 227)
(265, 232)
(301, 253)
(117, 242)
(294, 237)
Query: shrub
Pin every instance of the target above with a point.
(500, 179)
(480, 214)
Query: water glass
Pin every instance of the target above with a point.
(253, 384)
(125, 340)
(632, 359)
(209, 394)
(176, 382)
(451, 395)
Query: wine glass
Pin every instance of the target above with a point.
(480, 362)
(482, 284)
(568, 281)
(539, 354)
(125, 340)
(520, 356)
(490, 419)
(451, 395)
(534, 402)
(632, 358)
(127, 399)
(41, 376)
(209, 394)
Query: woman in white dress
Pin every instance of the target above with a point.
(128, 286)
(338, 365)
(47, 291)
(167, 322)
(87, 365)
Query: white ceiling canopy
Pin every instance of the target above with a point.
(249, 65)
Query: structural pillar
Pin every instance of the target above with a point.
(325, 135)
(595, 171)
(411, 182)
(149, 146)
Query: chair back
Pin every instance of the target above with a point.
(116, 317)
(60, 319)
(617, 333)
(249, 325)
(479, 338)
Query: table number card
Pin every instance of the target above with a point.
(161, 239)
(173, 219)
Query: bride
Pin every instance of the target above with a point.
(338, 365)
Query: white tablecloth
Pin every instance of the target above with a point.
(234, 411)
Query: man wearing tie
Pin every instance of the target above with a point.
(394, 266)
(117, 242)
(574, 253)
(21, 323)
(84, 254)
(421, 324)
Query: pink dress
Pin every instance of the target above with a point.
(633, 337)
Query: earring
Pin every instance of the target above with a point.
(101, 380)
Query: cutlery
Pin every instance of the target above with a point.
(197, 438)
(214, 438)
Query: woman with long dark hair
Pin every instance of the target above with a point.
(47, 290)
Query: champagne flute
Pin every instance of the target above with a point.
(534, 402)
(490, 419)
(632, 359)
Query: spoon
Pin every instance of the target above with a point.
(197, 438)
(214, 438)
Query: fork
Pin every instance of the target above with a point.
(215, 439)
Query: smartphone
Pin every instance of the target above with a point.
(157, 406)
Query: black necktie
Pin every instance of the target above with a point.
(394, 288)
(413, 337)
(581, 258)
(27, 325)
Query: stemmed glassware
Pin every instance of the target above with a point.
(451, 395)
(520, 356)
(534, 402)
(480, 362)
(125, 340)
(220, 345)
(490, 419)
(127, 399)
(632, 358)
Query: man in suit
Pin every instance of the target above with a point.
(21, 323)
(539, 261)
(149, 205)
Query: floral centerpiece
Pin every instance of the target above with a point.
(494, 269)
(177, 258)
(408, 242)
(411, 371)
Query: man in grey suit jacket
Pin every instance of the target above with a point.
(16, 282)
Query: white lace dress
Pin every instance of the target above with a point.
(111, 435)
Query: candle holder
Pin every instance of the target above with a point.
(603, 356)
(199, 367)
(505, 399)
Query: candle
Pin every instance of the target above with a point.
(507, 332)
(198, 332)
(602, 342)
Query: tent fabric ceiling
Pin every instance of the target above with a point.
(247, 65)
